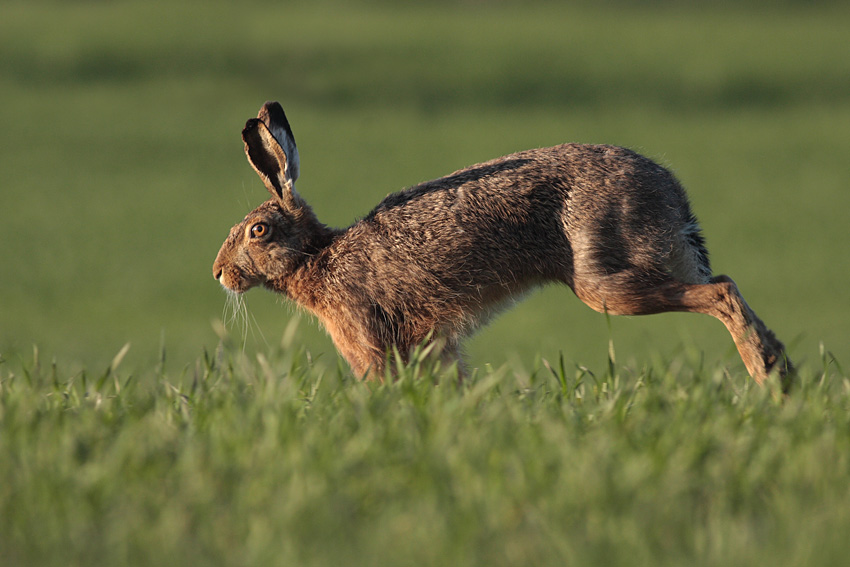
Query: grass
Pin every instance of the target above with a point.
(273, 461)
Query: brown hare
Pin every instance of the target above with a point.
(438, 260)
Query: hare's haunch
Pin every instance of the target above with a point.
(437, 260)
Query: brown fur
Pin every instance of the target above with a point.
(437, 260)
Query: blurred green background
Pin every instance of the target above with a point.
(122, 168)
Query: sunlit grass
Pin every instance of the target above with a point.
(275, 460)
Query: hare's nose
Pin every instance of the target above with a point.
(217, 273)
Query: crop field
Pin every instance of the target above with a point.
(263, 461)
(143, 422)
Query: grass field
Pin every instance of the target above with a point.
(268, 462)
(122, 171)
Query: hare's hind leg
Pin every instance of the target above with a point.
(630, 294)
(758, 346)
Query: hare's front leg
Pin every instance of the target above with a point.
(361, 348)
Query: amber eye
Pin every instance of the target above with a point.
(259, 230)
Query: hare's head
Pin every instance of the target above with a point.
(274, 238)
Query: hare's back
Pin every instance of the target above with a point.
(578, 183)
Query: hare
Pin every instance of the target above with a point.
(438, 260)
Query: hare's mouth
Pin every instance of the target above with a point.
(237, 289)
(235, 282)
(233, 289)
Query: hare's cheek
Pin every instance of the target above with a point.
(271, 261)
(267, 267)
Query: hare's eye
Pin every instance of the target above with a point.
(259, 230)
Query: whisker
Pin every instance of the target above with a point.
(235, 314)
(255, 327)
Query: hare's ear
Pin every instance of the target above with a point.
(275, 119)
(268, 156)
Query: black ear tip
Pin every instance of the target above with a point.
(272, 108)
(272, 114)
